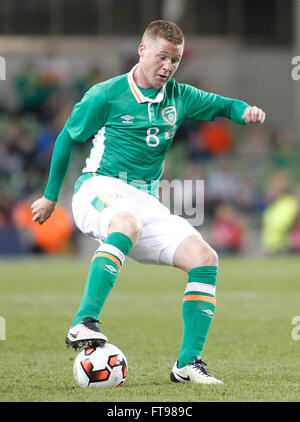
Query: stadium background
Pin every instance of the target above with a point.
(55, 50)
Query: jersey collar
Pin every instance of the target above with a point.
(137, 92)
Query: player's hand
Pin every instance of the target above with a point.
(42, 209)
(254, 115)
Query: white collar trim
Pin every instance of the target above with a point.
(137, 92)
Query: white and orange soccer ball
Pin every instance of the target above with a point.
(101, 367)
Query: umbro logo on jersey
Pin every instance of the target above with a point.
(127, 119)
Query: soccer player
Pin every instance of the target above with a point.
(132, 119)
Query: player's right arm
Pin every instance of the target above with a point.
(42, 209)
(63, 148)
(85, 120)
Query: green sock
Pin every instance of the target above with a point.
(103, 272)
(197, 312)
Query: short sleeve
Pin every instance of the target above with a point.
(88, 115)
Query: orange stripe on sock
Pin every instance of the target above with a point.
(109, 256)
(200, 297)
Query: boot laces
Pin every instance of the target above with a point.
(91, 324)
(200, 366)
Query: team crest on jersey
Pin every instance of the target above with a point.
(169, 114)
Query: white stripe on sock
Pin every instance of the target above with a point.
(200, 287)
(106, 247)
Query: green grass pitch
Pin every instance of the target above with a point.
(249, 347)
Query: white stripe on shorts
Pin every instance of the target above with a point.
(106, 247)
(200, 287)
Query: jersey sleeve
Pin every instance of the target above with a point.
(88, 115)
(60, 161)
(202, 105)
(233, 109)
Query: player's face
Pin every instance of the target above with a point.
(159, 60)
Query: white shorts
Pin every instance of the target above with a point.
(100, 198)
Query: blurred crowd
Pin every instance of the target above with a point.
(251, 182)
(45, 93)
(251, 174)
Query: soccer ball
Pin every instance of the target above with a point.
(100, 367)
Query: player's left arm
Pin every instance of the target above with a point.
(202, 105)
(239, 111)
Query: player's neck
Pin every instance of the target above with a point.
(140, 78)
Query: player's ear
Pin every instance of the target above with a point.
(141, 49)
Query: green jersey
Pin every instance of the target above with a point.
(132, 128)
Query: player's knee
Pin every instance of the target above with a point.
(126, 223)
(204, 255)
(194, 253)
(208, 256)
